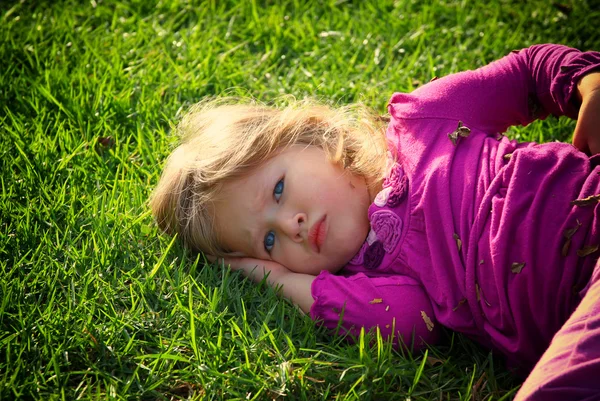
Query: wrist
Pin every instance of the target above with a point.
(588, 85)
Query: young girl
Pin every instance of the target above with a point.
(441, 221)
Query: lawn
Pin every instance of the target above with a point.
(95, 303)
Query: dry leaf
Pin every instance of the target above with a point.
(453, 137)
(464, 131)
(566, 246)
(387, 326)
(434, 361)
(478, 291)
(312, 379)
(571, 231)
(507, 156)
(461, 131)
(458, 241)
(481, 262)
(376, 301)
(427, 321)
(587, 250)
(106, 141)
(387, 308)
(462, 301)
(590, 200)
(517, 267)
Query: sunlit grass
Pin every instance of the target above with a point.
(94, 304)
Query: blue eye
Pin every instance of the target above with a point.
(278, 190)
(269, 241)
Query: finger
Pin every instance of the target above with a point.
(210, 258)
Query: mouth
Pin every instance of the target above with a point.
(317, 234)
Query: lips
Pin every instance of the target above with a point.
(317, 234)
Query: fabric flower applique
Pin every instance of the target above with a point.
(374, 255)
(388, 227)
(398, 192)
(359, 257)
(395, 175)
(382, 197)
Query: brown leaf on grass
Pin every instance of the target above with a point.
(563, 8)
(312, 379)
(434, 361)
(427, 321)
(517, 267)
(590, 200)
(458, 241)
(477, 387)
(587, 250)
(376, 301)
(106, 141)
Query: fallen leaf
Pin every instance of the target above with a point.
(464, 131)
(434, 361)
(453, 137)
(387, 308)
(587, 250)
(566, 246)
(106, 141)
(312, 379)
(458, 241)
(590, 200)
(517, 267)
(462, 301)
(427, 321)
(376, 301)
(563, 8)
(507, 156)
(571, 231)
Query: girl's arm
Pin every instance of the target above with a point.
(587, 132)
(517, 89)
(295, 286)
(396, 305)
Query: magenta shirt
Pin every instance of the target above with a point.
(473, 231)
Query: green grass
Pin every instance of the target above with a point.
(94, 303)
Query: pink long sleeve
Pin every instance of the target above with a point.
(517, 89)
(394, 302)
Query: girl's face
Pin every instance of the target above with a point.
(298, 209)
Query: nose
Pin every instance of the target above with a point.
(293, 225)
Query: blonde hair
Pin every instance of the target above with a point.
(223, 139)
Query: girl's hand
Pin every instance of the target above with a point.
(586, 136)
(295, 286)
(255, 269)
